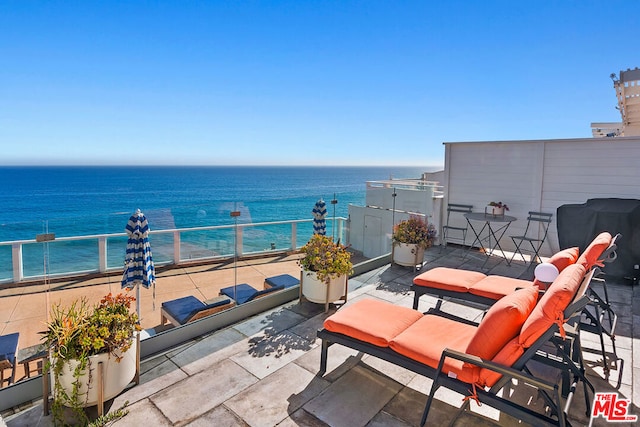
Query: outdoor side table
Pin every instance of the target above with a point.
(493, 229)
(35, 353)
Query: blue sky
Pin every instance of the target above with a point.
(301, 82)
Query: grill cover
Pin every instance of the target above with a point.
(578, 224)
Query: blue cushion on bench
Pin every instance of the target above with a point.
(285, 280)
(9, 347)
(241, 294)
(183, 309)
(245, 293)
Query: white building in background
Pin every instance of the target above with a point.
(627, 89)
(387, 203)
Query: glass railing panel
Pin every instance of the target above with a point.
(201, 244)
(6, 269)
(162, 248)
(116, 251)
(265, 238)
(61, 257)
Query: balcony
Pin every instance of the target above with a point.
(262, 370)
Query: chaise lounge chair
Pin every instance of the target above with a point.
(460, 355)
(281, 280)
(187, 309)
(244, 293)
(8, 351)
(478, 287)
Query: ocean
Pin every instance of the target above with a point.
(80, 201)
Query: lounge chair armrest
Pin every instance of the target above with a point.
(213, 309)
(435, 312)
(496, 367)
(265, 292)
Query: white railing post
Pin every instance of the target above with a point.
(294, 235)
(176, 247)
(16, 257)
(102, 253)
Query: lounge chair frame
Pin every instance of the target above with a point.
(441, 294)
(594, 315)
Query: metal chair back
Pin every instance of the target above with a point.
(460, 210)
(535, 234)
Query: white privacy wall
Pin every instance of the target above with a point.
(540, 176)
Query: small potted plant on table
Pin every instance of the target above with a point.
(496, 208)
(80, 339)
(410, 238)
(325, 268)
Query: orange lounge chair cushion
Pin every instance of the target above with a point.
(427, 338)
(591, 255)
(449, 279)
(564, 258)
(373, 321)
(507, 356)
(550, 308)
(502, 322)
(496, 287)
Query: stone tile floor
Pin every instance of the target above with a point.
(262, 371)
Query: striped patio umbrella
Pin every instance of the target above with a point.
(319, 214)
(138, 264)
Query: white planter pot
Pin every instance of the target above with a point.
(117, 375)
(316, 291)
(405, 254)
(494, 210)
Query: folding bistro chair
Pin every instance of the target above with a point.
(455, 208)
(535, 234)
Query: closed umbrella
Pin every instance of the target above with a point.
(138, 264)
(319, 215)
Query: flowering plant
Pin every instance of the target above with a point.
(414, 230)
(327, 259)
(79, 331)
(499, 205)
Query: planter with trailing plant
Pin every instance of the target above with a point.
(80, 338)
(410, 238)
(325, 268)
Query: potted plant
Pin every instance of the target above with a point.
(325, 267)
(78, 338)
(496, 208)
(410, 238)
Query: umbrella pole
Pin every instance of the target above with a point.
(138, 301)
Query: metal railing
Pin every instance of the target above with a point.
(104, 253)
